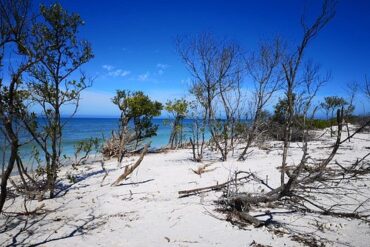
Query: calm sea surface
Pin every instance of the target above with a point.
(78, 129)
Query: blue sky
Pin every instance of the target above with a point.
(133, 42)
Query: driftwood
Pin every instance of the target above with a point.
(203, 169)
(249, 218)
(304, 181)
(130, 169)
(186, 193)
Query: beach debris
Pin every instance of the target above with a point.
(203, 169)
(186, 193)
(131, 168)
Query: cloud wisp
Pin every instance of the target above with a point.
(144, 77)
(161, 68)
(115, 72)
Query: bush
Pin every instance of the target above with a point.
(318, 123)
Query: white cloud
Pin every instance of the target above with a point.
(161, 68)
(115, 72)
(144, 77)
(107, 67)
(119, 72)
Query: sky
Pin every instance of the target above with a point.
(133, 42)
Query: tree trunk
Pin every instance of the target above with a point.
(12, 158)
(5, 176)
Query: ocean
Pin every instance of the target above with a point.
(79, 129)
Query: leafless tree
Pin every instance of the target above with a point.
(310, 174)
(198, 130)
(291, 68)
(215, 68)
(304, 106)
(352, 89)
(366, 88)
(264, 70)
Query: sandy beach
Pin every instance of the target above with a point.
(145, 210)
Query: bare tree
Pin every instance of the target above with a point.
(215, 68)
(366, 88)
(198, 130)
(291, 66)
(264, 70)
(304, 107)
(225, 131)
(352, 89)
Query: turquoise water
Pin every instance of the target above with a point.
(79, 129)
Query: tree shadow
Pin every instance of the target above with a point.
(63, 188)
(136, 183)
(30, 228)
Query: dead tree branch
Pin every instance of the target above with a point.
(130, 169)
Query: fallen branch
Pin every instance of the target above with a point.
(186, 193)
(203, 169)
(130, 169)
(357, 131)
(249, 218)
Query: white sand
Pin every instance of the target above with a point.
(151, 214)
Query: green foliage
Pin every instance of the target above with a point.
(177, 107)
(280, 111)
(40, 171)
(55, 43)
(334, 102)
(140, 109)
(86, 145)
(241, 128)
(71, 178)
(318, 123)
(61, 52)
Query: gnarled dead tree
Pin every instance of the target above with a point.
(309, 181)
(291, 67)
